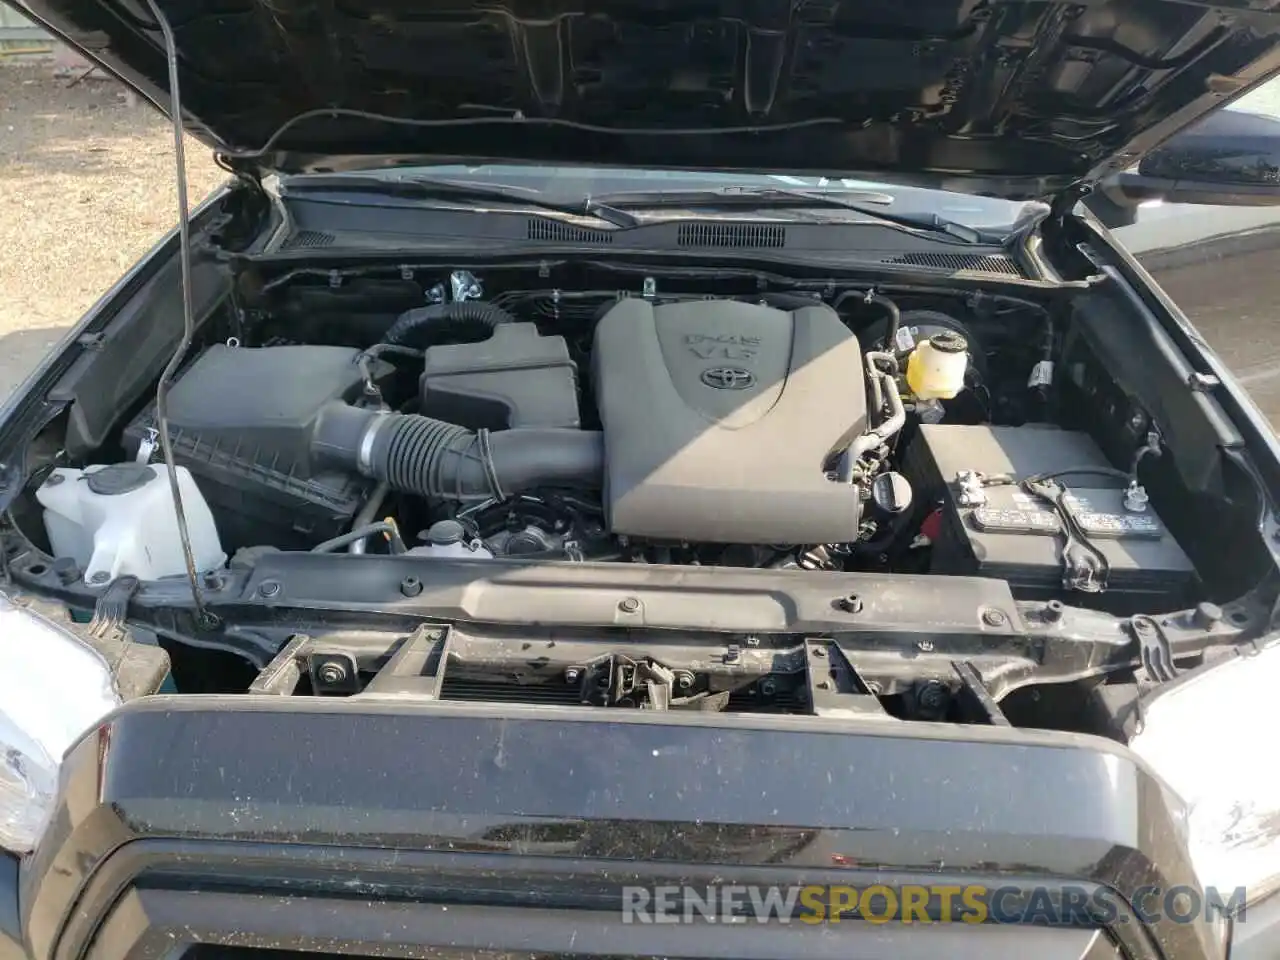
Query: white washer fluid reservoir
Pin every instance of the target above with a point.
(119, 520)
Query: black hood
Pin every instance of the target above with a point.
(1015, 99)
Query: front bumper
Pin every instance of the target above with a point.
(421, 829)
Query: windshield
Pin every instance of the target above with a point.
(573, 184)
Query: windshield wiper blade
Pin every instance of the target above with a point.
(462, 191)
(858, 201)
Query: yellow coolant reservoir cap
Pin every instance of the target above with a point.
(935, 369)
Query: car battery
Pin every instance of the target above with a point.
(998, 529)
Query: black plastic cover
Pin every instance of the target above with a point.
(1016, 537)
(515, 378)
(240, 420)
(720, 418)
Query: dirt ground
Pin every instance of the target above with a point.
(86, 187)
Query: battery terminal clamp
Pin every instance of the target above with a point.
(1085, 566)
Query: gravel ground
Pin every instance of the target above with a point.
(86, 187)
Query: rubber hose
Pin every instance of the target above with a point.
(470, 319)
(890, 308)
(895, 320)
(366, 516)
(432, 458)
(361, 533)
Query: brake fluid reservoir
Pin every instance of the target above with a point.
(936, 367)
(119, 520)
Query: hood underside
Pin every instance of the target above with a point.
(1014, 99)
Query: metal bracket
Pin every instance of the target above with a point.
(280, 677)
(417, 668)
(148, 446)
(1202, 382)
(834, 686)
(974, 699)
(1154, 652)
(464, 285)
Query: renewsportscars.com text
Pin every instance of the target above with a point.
(927, 903)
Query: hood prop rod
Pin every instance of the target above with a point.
(204, 619)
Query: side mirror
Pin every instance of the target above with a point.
(1229, 158)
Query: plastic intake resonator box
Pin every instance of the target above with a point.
(1002, 531)
(515, 378)
(240, 420)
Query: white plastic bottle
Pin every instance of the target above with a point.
(118, 520)
(936, 367)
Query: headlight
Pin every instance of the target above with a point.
(54, 689)
(1209, 737)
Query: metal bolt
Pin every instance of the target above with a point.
(850, 604)
(1053, 611)
(268, 588)
(931, 695)
(684, 680)
(994, 618)
(628, 604)
(753, 641)
(819, 652)
(572, 675)
(331, 673)
(924, 645)
(768, 687)
(824, 684)
(101, 576)
(411, 586)
(212, 581)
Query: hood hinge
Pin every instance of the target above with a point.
(1064, 201)
(250, 176)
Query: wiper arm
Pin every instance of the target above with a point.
(427, 189)
(858, 201)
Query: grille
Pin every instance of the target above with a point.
(566, 233)
(731, 235)
(566, 695)
(985, 263)
(309, 238)
(555, 694)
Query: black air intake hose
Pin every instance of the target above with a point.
(461, 319)
(432, 458)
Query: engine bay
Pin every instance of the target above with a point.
(745, 432)
(966, 452)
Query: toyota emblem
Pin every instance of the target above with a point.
(728, 378)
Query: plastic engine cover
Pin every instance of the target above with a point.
(720, 416)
